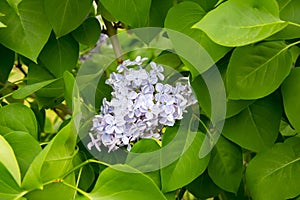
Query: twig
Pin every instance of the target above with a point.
(19, 66)
(111, 31)
(65, 109)
(60, 115)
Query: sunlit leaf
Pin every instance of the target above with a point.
(25, 147)
(28, 30)
(246, 21)
(258, 70)
(8, 160)
(11, 120)
(53, 161)
(125, 183)
(275, 173)
(66, 15)
(289, 12)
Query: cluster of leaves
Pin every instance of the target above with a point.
(255, 45)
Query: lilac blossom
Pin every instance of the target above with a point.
(140, 107)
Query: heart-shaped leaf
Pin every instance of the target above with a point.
(60, 55)
(205, 52)
(66, 15)
(88, 32)
(139, 11)
(26, 31)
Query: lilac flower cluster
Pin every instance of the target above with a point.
(140, 106)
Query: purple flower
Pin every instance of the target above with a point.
(140, 106)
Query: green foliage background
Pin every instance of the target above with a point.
(256, 47)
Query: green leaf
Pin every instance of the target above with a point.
(65, 16)
(12, 120)
(87, 175)
(203, 187)
(139, 11)
(286, 129)
(289, 12)
(258, 70)
(9, 189)
(158, 12)
(246, 21)
(30, 89)
(69, 81)
(104, 13)
(53, 161)
(275, 173)
(26, 31)
(40, 115)
(207, 5)
(25, 147)
(125, 183)
(14, 4)
(234, 107)
(60, 191)
(8, 159)
(188, 166)
(138, 161)
(290, 93)
(7, 58)
(189, 13)
(255, 128)
(226, 165)
(205, 52)
(88, 32)
(37, 74)
(60, 55)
